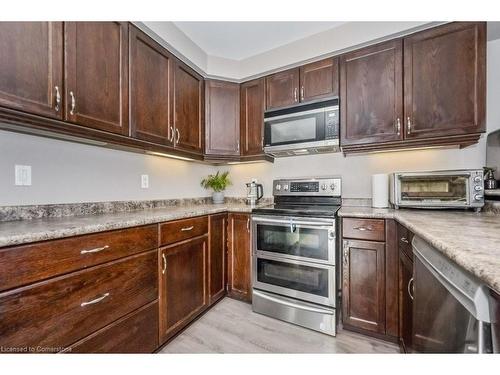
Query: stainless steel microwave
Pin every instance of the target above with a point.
(301, 130)
(438, 189)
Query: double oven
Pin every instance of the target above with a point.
(294, 264)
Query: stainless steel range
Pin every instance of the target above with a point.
(294, 253)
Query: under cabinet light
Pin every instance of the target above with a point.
(168, 155)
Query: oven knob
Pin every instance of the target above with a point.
(478, 197)
(278, 187)
(333, 186)
(324, 187)
(478, 188)
(478, 179)
(285, 187)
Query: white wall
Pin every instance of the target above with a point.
(356, 170)
(65, 172)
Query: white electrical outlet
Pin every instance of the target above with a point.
(145, 181)
(22, 175)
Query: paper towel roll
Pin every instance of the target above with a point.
(380, 190)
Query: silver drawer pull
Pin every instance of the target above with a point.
(403, 239)
(164, 269)
(97, 300)
(362, 229)
(409, 287)
(96, 250)
(187, 229)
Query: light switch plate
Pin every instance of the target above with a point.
(145, 181)
(22, 175)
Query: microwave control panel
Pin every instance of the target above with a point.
(332, 123)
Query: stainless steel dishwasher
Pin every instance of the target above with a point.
(450, 307)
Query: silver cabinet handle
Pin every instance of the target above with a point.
(346, 253)
(178, 135)
(58, 99)
(302, 93)
(295, 99)
(410, 282)
(408, 123)
(73, 103)
(238, 146)
(403, 239)
(171, 139)
(248, 225)
(398, 126)
(96, 250)
(164, 269)
(187, 229)
(362, 229)
(97, 300)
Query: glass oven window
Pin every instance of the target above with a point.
(307, 279)
(303, 242)
(434, 188)
(289, 131)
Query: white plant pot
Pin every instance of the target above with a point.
(218, 197)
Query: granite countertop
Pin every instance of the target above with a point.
(470, 239)
(26, 231)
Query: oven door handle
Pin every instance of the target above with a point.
(326, 224)
(290, 304)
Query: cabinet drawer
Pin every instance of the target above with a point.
(364, 229)
(56, 313)
(175, 231)
(134, 333)
(26, 264)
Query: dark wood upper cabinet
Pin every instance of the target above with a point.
(150, 67)
(96, 74)
(222, 118)
(183, 284)
(282, 89)
(239, 257)
(445, 78)
(319, 80)
(188, 108)
(363, 285)
(371, 94)
(217, 276)
(31, 67)
(252, 107)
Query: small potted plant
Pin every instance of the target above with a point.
(218, 183)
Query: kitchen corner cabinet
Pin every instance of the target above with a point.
(222, 118)
(252, 107)
(370, 277)
(96, 75)
(183, 284)
(371, 90)
(150, 68)
(239, 257)
(31, 67)
(445, 80)
(188, 108)
(217, 259)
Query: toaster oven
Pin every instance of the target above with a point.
(438, 189)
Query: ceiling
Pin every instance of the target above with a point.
(240, 40)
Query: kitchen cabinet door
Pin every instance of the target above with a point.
(150, 69)
(444, 78)
(282, 89)
(183, 284)
(371, 94)
(319, 80)
(188, 108)
(239, 257)
(405, 302)
(217, 257)
(31, 67)
(96, 74)
(363, 285)
(222, 126)
(252, 107)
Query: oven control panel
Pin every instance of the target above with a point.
(331, 186)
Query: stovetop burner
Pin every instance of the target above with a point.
(297, 210)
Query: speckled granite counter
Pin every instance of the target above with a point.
(25, 231)
(471, 239)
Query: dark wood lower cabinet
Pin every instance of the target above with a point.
(405, 302)
(217, 257)
(183, 284)
(239, 257)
